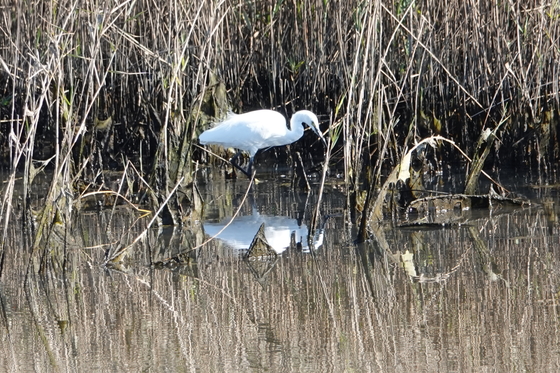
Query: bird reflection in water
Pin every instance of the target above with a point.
(281, 232)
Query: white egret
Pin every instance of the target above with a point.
(259, 129)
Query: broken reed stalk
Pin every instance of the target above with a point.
(401, 172)
(316, 213)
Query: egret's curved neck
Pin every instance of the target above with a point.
(296, 128)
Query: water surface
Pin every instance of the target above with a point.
(479, 297)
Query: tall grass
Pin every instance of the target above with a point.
(92, 85)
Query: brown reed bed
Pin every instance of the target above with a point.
(94, 86)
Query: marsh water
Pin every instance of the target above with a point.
(478, 297)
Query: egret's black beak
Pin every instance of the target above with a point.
(317, 130)
(315, 127)
(323, 139)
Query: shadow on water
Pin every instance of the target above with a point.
(482, 296)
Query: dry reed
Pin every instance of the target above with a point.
(92, 85)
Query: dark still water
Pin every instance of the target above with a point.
(480, 297)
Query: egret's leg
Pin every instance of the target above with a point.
(233, 161)
(250, 168)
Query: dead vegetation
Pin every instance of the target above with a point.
(87, 87)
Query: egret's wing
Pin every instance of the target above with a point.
(269, 126)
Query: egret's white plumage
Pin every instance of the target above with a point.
(259, 129)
